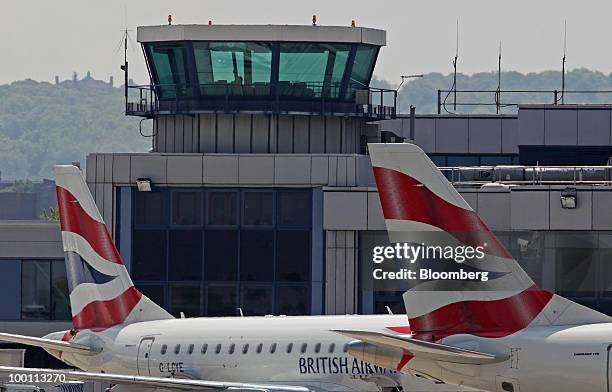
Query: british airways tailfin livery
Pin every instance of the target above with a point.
(501, 334)
(102, 294)
(121, 337)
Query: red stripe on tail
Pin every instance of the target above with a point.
(75, 219)
(105, 314)
(491, 319)
(404, 198)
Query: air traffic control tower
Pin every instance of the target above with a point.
(260, 88)
(248, 196)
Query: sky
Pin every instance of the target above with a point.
(40, 39)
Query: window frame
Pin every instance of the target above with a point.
(166, 282)
(173, 192)
(244, 225)
(49, 262)
(237, 206)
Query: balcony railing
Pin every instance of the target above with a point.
(509, 175)
(283, 97)
(457, 101)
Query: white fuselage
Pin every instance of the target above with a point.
(281, 350)
(559, 359)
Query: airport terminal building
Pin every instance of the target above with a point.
(258, 191)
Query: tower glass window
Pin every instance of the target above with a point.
(249, 75)
(169, 65)
(365, 57)
(312, 69)
(234, 68)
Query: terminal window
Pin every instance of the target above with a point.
(210, 251)
(44, 290)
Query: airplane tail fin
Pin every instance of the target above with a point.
(421, 207)
(101, 292)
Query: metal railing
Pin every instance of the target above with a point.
(448, 104)
(508, 175)
(282, 97)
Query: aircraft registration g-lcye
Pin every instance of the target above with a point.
(502, 334)
(121, 337)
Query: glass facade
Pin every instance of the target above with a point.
(233, 68)
(44, 290)
(170, 70)
(299, 70)
(312, 69)
(211, 251)
(574, 264)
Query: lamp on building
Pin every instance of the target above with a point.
(144, 184)
(569, 198)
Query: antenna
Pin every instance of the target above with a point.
(563, 62)
(498, 92)
(455, 69)
(124, 67)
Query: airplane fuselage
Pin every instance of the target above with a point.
(560, 359)
(283, 350)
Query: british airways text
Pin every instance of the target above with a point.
(338, 365)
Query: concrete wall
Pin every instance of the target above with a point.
(106, 171)
(459, 134)
(565, 125)
(534, 125)
(519, 208)
(23, 239)
(257, 133)
(342, 272)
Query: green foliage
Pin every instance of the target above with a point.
(423, 92)
(42, 124)
(51, 214)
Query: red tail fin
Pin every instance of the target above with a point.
(101, 292)
(421, 207)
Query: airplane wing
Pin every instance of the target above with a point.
(423, 349)
(49, 344)
(154, 382)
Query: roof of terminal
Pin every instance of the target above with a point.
(284, 33)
